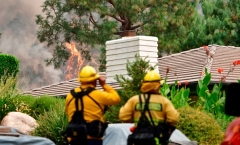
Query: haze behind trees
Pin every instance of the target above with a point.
(178, 25)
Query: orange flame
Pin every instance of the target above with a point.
(74, 62)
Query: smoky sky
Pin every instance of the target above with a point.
(18, 28)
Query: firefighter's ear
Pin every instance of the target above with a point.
(232, 101)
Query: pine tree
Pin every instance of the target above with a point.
(219, 24)
(130, 85)
(92, 22)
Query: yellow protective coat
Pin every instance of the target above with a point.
(129, 114)
(91, 110)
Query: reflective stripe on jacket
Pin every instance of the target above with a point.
(159, 107)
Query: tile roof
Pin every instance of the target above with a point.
(186, 65)
(189, 64)
(62, 88)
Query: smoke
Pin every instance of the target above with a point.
(18, 28)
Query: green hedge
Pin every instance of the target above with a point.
(199, 126)
(44, 104)
(9, 65)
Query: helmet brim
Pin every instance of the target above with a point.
(88, 79)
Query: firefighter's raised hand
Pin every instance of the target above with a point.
(102, 80)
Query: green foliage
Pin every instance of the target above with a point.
(94, 22)
(6, 105)
(102, 60)
(131, 84)
(8, 95)
(199, 126)
(218, 24)
(9, 65)
(178, 96)
(44, 104)
(112, 114)
(211, 101)
(26, 100)
(51, 124)
(7, 92)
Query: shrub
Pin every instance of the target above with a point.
(51, 124)
(112, 114)
(24, 103)
(7, 92)
(45, 103)
(199, 126)
(178, 96)
(130, 85)
(9, 65)
(6, 105)
(26, 99)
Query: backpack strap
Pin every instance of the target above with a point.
(85, 92)
(95, 102)
(78, 96)
(90, 90)
(147, 108)
(74, 94)
(145, 105)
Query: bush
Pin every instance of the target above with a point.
(51, 124)
(131, 85)
(199, 126)
(45, 103)
(9, 65)
(24, 103)
(26, 99)
(6, 105)
(112, 114)
(7, 92)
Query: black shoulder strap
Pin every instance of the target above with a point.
(87, 93)
(145, 105)
(77, 96)
(95, 102)
(74, 94)
(78, 114)
(84, 92)
(147, 108)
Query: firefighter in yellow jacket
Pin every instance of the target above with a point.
(88, 78)
(159, 106)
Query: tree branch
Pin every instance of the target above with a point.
(136, 26)
(57, 22)
(92, 19)
(111, 2)
(139, 25)
(116, 18)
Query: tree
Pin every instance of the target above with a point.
(219, 24)
(130, 85)
(92, 22)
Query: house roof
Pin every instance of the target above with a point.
(62, 88)
(188, 65)
(184, 66)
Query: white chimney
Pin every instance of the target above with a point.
(123, 49)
